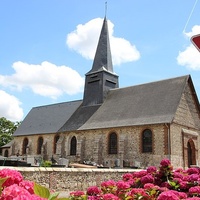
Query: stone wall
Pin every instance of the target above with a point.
(69, 179)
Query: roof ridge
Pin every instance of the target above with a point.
(53, 104)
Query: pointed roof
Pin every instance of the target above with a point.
(151, 103)
(47, 119)
(103, 59)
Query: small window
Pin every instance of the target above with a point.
(6, 153)
(39, 145)
(112, 143)
(56, 138)
(147, 141)
(25, 144)
(73, 145)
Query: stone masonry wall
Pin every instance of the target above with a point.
(69, 179)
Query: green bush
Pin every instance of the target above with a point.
(46, 163)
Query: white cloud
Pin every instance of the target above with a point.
(10, 107)
(45, 79)
(85, 38)
(190, 57)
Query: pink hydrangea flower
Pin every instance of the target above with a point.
(77, 193)
(178, 175)
(137, 192)
(192, 170)
(109, 183)
(121, 185)
(28, 185)
(147, 179)
(110, 197)
(149, 186)
(183, 185)
(151, 169)
(14, 177)
(127, 176)
(168, 195)
(194, 190)
(193, 177)
(140, 174)
(165, 163)
(15, 192)
(93, 191)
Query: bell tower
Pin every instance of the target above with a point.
(101, 78)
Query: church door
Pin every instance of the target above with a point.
(191, 153)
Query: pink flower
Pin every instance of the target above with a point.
(166, 184)
(149, 186)
(182, 195)
(178, 175)
(192, 170)
(137, 192)
(168, 195)
(140, 174)
(121, 185)
(165, 163)
(28, 185)
(151, 169)
(183, 185)
(14, 192)
(193, 177)
(110, 197)
(127, 176)
(194, 190)
(147, 179)
(109, 183)
(94, 198)
(93, 191)
(77, 193)
(14, 177)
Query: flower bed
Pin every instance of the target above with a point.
(163, 183)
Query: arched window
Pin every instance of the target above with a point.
(24, 146)
(6, 153)
(147, 141)
(73, 145)
(56, 138)
(191, 153)
(112, 143)
(39, 145)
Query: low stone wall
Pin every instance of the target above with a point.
(69, 179)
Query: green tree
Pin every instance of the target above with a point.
(7, 128)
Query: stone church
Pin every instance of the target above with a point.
(135, 126)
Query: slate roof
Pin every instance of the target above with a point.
(150, 103)
(47, 119)
(103, 58)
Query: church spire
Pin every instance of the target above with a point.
(101, 78)
(103, 59)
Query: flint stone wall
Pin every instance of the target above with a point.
(69, 179)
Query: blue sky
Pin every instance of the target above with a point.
(47, 47)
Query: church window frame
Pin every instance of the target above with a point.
(6, 153)
(112, 143)
(56, 138)
(39, 145)
(147, 141)
(24, 145)
(73, 146)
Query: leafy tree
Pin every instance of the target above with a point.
(7, 128)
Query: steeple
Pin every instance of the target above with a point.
(103, 53)
(101, 77)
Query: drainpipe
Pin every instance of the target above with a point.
(169, 141)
